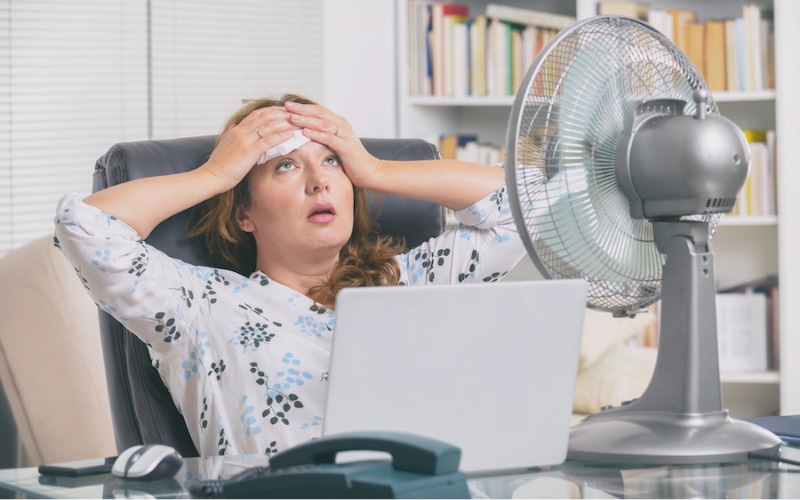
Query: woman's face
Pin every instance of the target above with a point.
(301, 205)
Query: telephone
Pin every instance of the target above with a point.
(420, 468)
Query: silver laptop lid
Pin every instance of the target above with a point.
(490, 368)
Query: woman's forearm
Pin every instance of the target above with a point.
(144, 203)
(451, 183)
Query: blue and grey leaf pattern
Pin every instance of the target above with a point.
(245, 357)
(167, 326)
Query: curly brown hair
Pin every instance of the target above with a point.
(367, 259)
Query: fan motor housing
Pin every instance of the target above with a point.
(678, 165)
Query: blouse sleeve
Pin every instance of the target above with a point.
(152, 294)
(484, 246)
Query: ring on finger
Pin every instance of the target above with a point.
(258, 133)
(337, 130)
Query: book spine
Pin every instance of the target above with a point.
(518, 15)
(714, 55)
(758, 196)
(455, 55)
(742, 332)
(737, 53)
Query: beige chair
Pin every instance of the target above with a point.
(51, 363)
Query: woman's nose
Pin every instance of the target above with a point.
(317, 180)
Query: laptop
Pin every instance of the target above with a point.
(489, 368)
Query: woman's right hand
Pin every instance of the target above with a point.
(242, 145)
(144, 203)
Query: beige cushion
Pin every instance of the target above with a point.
(603, 332)
(51, 364)
(621, 375)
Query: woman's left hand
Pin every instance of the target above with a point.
(465, 182)
(325, 127)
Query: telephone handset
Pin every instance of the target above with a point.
(411, 453)
(420, 468)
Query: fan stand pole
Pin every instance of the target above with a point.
(679, 419)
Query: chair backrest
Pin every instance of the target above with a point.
(141, 407)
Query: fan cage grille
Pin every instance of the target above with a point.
(569, 115)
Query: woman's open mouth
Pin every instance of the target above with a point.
(321, 213)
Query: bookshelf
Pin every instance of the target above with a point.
(746, 247)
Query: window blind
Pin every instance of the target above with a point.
(208, 55)
(79, 76)
(73, 82)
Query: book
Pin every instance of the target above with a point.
(499, 50)
(744, 199)
(479, 152)
(519, 15)
(742, 332)
(440, 37)
(420, 67)
(741, 51)
(754, 73)
(636, 10)
(450, 144)
(491, 65)
(759, 194)
(680, 18)
(460, 69)
(516, 61)
(772, 172)
(774, 328)
(767, 286)
(694, 44)
(477, 51)
(661, 20)
(716, 75)
(768, 48)
(447, 146)
(731, 57)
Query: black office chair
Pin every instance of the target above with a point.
(141, 408)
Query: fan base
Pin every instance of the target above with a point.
(653, 437)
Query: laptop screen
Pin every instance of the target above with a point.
(490, 368)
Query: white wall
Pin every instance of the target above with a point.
(360, 68)
(787, 74)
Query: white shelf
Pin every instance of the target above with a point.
(720, 97)
(763, 95)
(770, 377)
(752, 220)
(461, 101)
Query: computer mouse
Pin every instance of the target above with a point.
(147, 462)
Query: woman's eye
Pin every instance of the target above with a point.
(332, 160)
(284, 165)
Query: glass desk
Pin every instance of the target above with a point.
(752, 479)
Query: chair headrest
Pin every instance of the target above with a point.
(413, 220)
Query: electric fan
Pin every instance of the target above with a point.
(618, 165)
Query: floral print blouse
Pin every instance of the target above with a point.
(245, 358)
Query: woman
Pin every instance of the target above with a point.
(245, 354)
